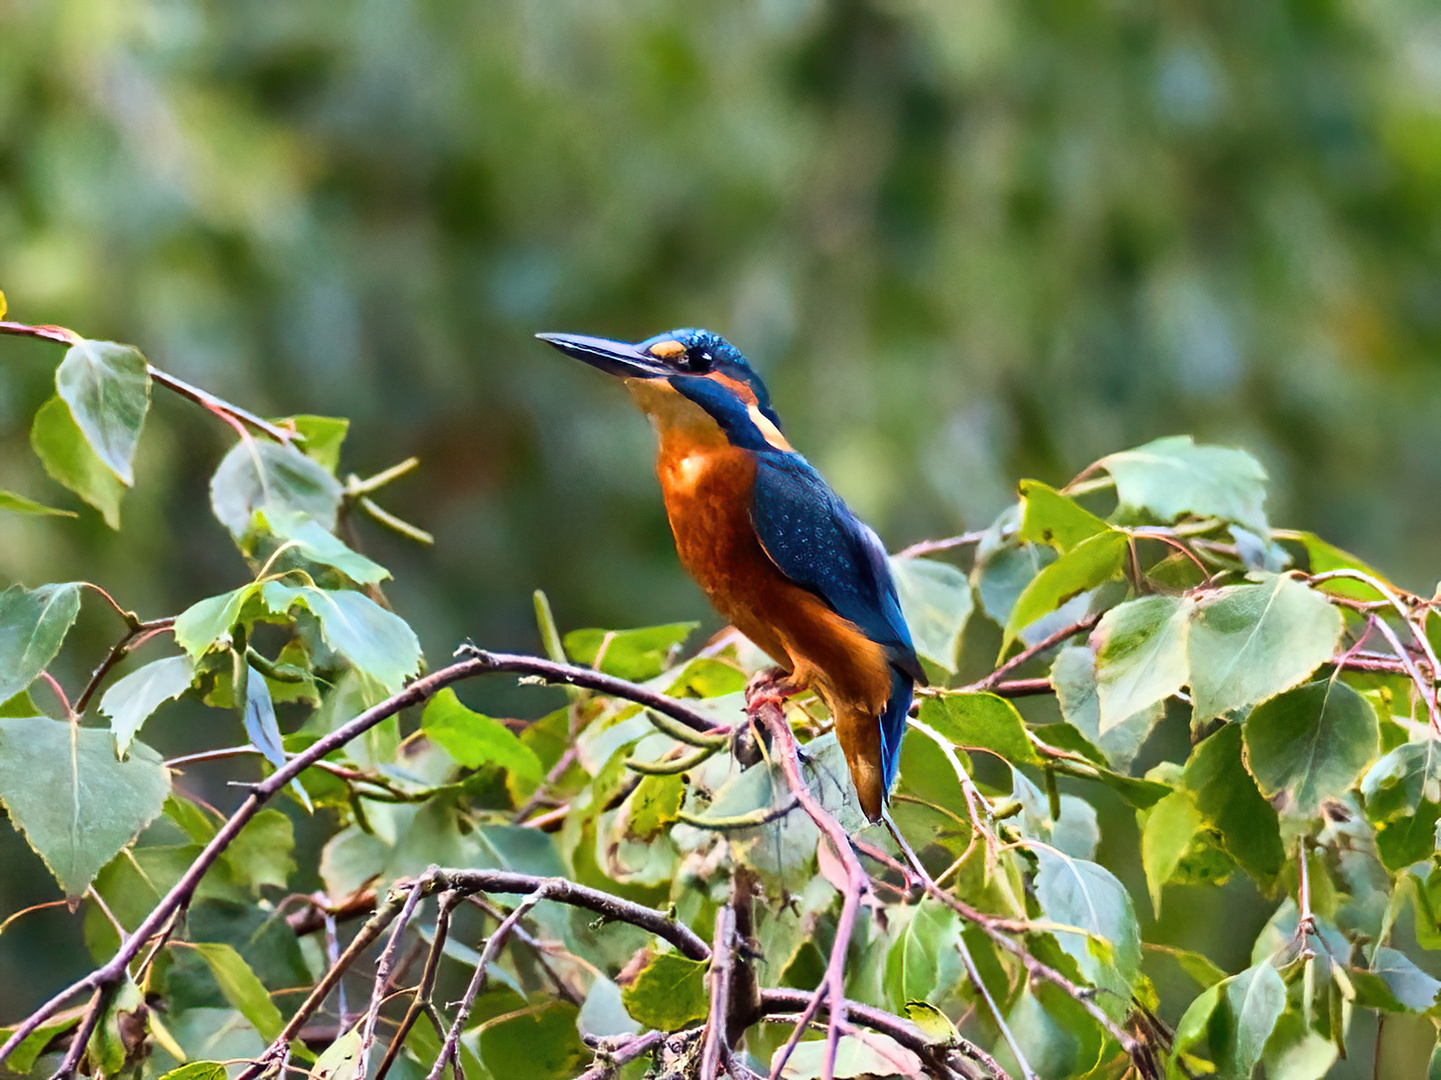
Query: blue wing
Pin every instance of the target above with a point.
(820, 545)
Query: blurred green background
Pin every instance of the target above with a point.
(964, 242)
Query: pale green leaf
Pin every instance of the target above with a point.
(1140, 656)
(923, 962)
(637, 655)
(263, 853)
(241, 987)
(475, 740)
(257, 475)
(33, 625)
(655, 804)
(131, 700)
(201, 625)
(1048, 517)
(1311, 743)
(1173, 477)
(76, 804)
(339, 1060)
(1171, 826)
(19, 504)
(1091, 562)
(197, 1070)
(936, 602)
(323, 437)
(1073, 675)
(1398, 783)
(59, 443)
(669, 993)
(307, 539)
(107, 388)
(1085, 895)
(1411, 986)
(379, 643)
(1248, 643)
(863, 1055)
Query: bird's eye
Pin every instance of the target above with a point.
(698, 360)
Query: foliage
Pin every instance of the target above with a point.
(659, 808)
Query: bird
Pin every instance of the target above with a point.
(775, 550)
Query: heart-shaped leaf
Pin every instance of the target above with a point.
(107, 387)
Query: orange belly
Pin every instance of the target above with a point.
(707, 490)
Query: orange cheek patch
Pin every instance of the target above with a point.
(667, 349)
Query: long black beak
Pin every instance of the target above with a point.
(614, 357)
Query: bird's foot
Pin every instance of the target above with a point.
(771, 686)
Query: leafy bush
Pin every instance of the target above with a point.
(696, 891)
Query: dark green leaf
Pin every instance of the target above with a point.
(1398, 783)
(241, 987)
(19, 504)
(107, 388)
(628, 654)
(1083, 894)
(1088, 564)
(475, 740)
(33, 625)
(380, 644)
(131, 700)
(923, 962)
(936, 601)
(1311, 743)
(669, 993)
(263, 853)
(1049, 517)
(1227, 797)
(981, 722)
(1231, 1021)
(1250, 642)
(1324, 557)
(541, 1045)
(257, 475)
(1140, 656)
(1410, 838)
(67, 457)
(76, 804)
(1173, 477)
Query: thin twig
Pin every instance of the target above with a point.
(427, 984)
(118, 652)
(382, 976)
(1029, 653)
(610, 1057)
(715, 1046)
(926, 547)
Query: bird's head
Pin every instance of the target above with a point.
(702, 368)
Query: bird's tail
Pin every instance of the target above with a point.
(893, 727)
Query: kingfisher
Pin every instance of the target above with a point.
(774, 548)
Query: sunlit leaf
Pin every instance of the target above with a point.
(936, 602)
(1311, 743)
(655, 804)
(19, 504)
(323, 438)
(1083, 894)
(205, 622)
(1140, 656)
(1402, 779)
(379, 643)
(668, 993)
(260, 475)
(76, 804)
(131, 700)
(637, 655)
(475, 740)
(33, 625)
(307, 539)
(1048, 517)
(1248, 643)
(1170, 828)
(107, 388)
(859, 1056)
(59, 443)
(339, 1059)
(1091, 562)
(981, 722)
(1173, 477)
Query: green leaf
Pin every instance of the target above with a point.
(33, 625)
(654, 805)
(936, 602)
(1323, 557)
(1170, 828)
(59, 443)
(1002, 574)
(1230, 1022)
(1140, 656)
(863, 1055)
(981, 722)
(340, 1058)
(475, 740)
(76, 804)
(1172, 477)
(312, 543)
(379, 643)
(1228, 798)
(263, 730)
(205, 622)
(1400, 781)
(131, 700)
(19, 504)
(1073, 676)
(1411, 987)
(197, 1070)
(669, 993)
(1048, 517)
(636, 655)
(323, 437)
(1311, 743)
(263, 853)
(923, 962)
(107, 388)
(241, 987)
(1083, 894)
(1198, 966)
(1088, 564)
(1250, 642)
(268, 476)
(541, 1045)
